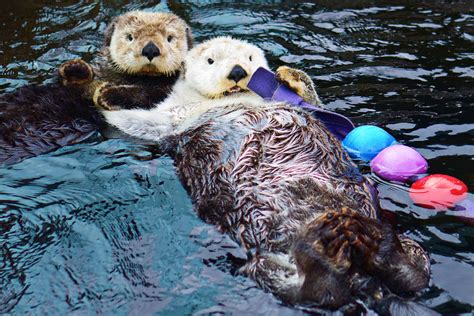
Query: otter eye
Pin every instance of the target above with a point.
(170, 38)
(210, 61)
(129, 37)
(250, 57)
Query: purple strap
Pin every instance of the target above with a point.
(265, 84)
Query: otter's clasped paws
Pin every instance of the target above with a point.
(75, 72)
(300, 82)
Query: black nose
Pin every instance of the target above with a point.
(150, 51)
(237, 73)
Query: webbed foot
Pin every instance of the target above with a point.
(337, 245)
(300, 82)
(75, 72)
(343, 238)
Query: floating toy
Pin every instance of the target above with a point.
(398, 163)
(392, 162)
(265, 84)
(438, 191)
(366, 141)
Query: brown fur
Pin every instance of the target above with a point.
(39, 119)
(281, 185)
(125, 82)
(145, 27)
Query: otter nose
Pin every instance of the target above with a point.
(237, 73)
(150, 51)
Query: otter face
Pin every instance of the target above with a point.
(148, 43)
(223, 66)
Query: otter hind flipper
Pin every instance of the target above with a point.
(341, 247)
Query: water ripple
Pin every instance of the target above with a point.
(106, 227)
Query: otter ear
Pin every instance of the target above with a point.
(189, 37)
(109, 31)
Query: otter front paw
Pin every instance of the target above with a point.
(104, 96)
(110, 97)
(75, 72)
(300, 82)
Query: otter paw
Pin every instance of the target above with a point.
(111, 98)
(344, 242)
(75, 72)
(345, 238)
(300, 82)
(103, 97)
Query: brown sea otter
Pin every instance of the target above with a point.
(140, 62)
(273, 178)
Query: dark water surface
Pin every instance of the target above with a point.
(105, 226)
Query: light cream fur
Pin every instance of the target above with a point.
(202, 87)
(132, 31)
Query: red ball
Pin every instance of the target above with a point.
(438, 191)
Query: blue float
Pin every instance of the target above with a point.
(366, 141)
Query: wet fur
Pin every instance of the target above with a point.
(39, 119)
(280, 184)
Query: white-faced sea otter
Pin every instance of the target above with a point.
(140, 62)
(278, 182)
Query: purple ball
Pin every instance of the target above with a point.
(398, 163)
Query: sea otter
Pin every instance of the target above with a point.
(141, 60)
(278, 182)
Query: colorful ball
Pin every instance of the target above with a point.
(438, 191)
(366, 141)
(398, 163)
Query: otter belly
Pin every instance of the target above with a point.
(260, 174)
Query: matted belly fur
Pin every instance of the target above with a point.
(262, 173)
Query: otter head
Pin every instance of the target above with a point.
(147, 43)
(222, 66)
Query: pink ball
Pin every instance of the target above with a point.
(398, 163)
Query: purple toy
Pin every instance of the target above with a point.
(265, 84)
(398, 163)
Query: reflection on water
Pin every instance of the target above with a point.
(105, 226)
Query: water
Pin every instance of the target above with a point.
(105, 226)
